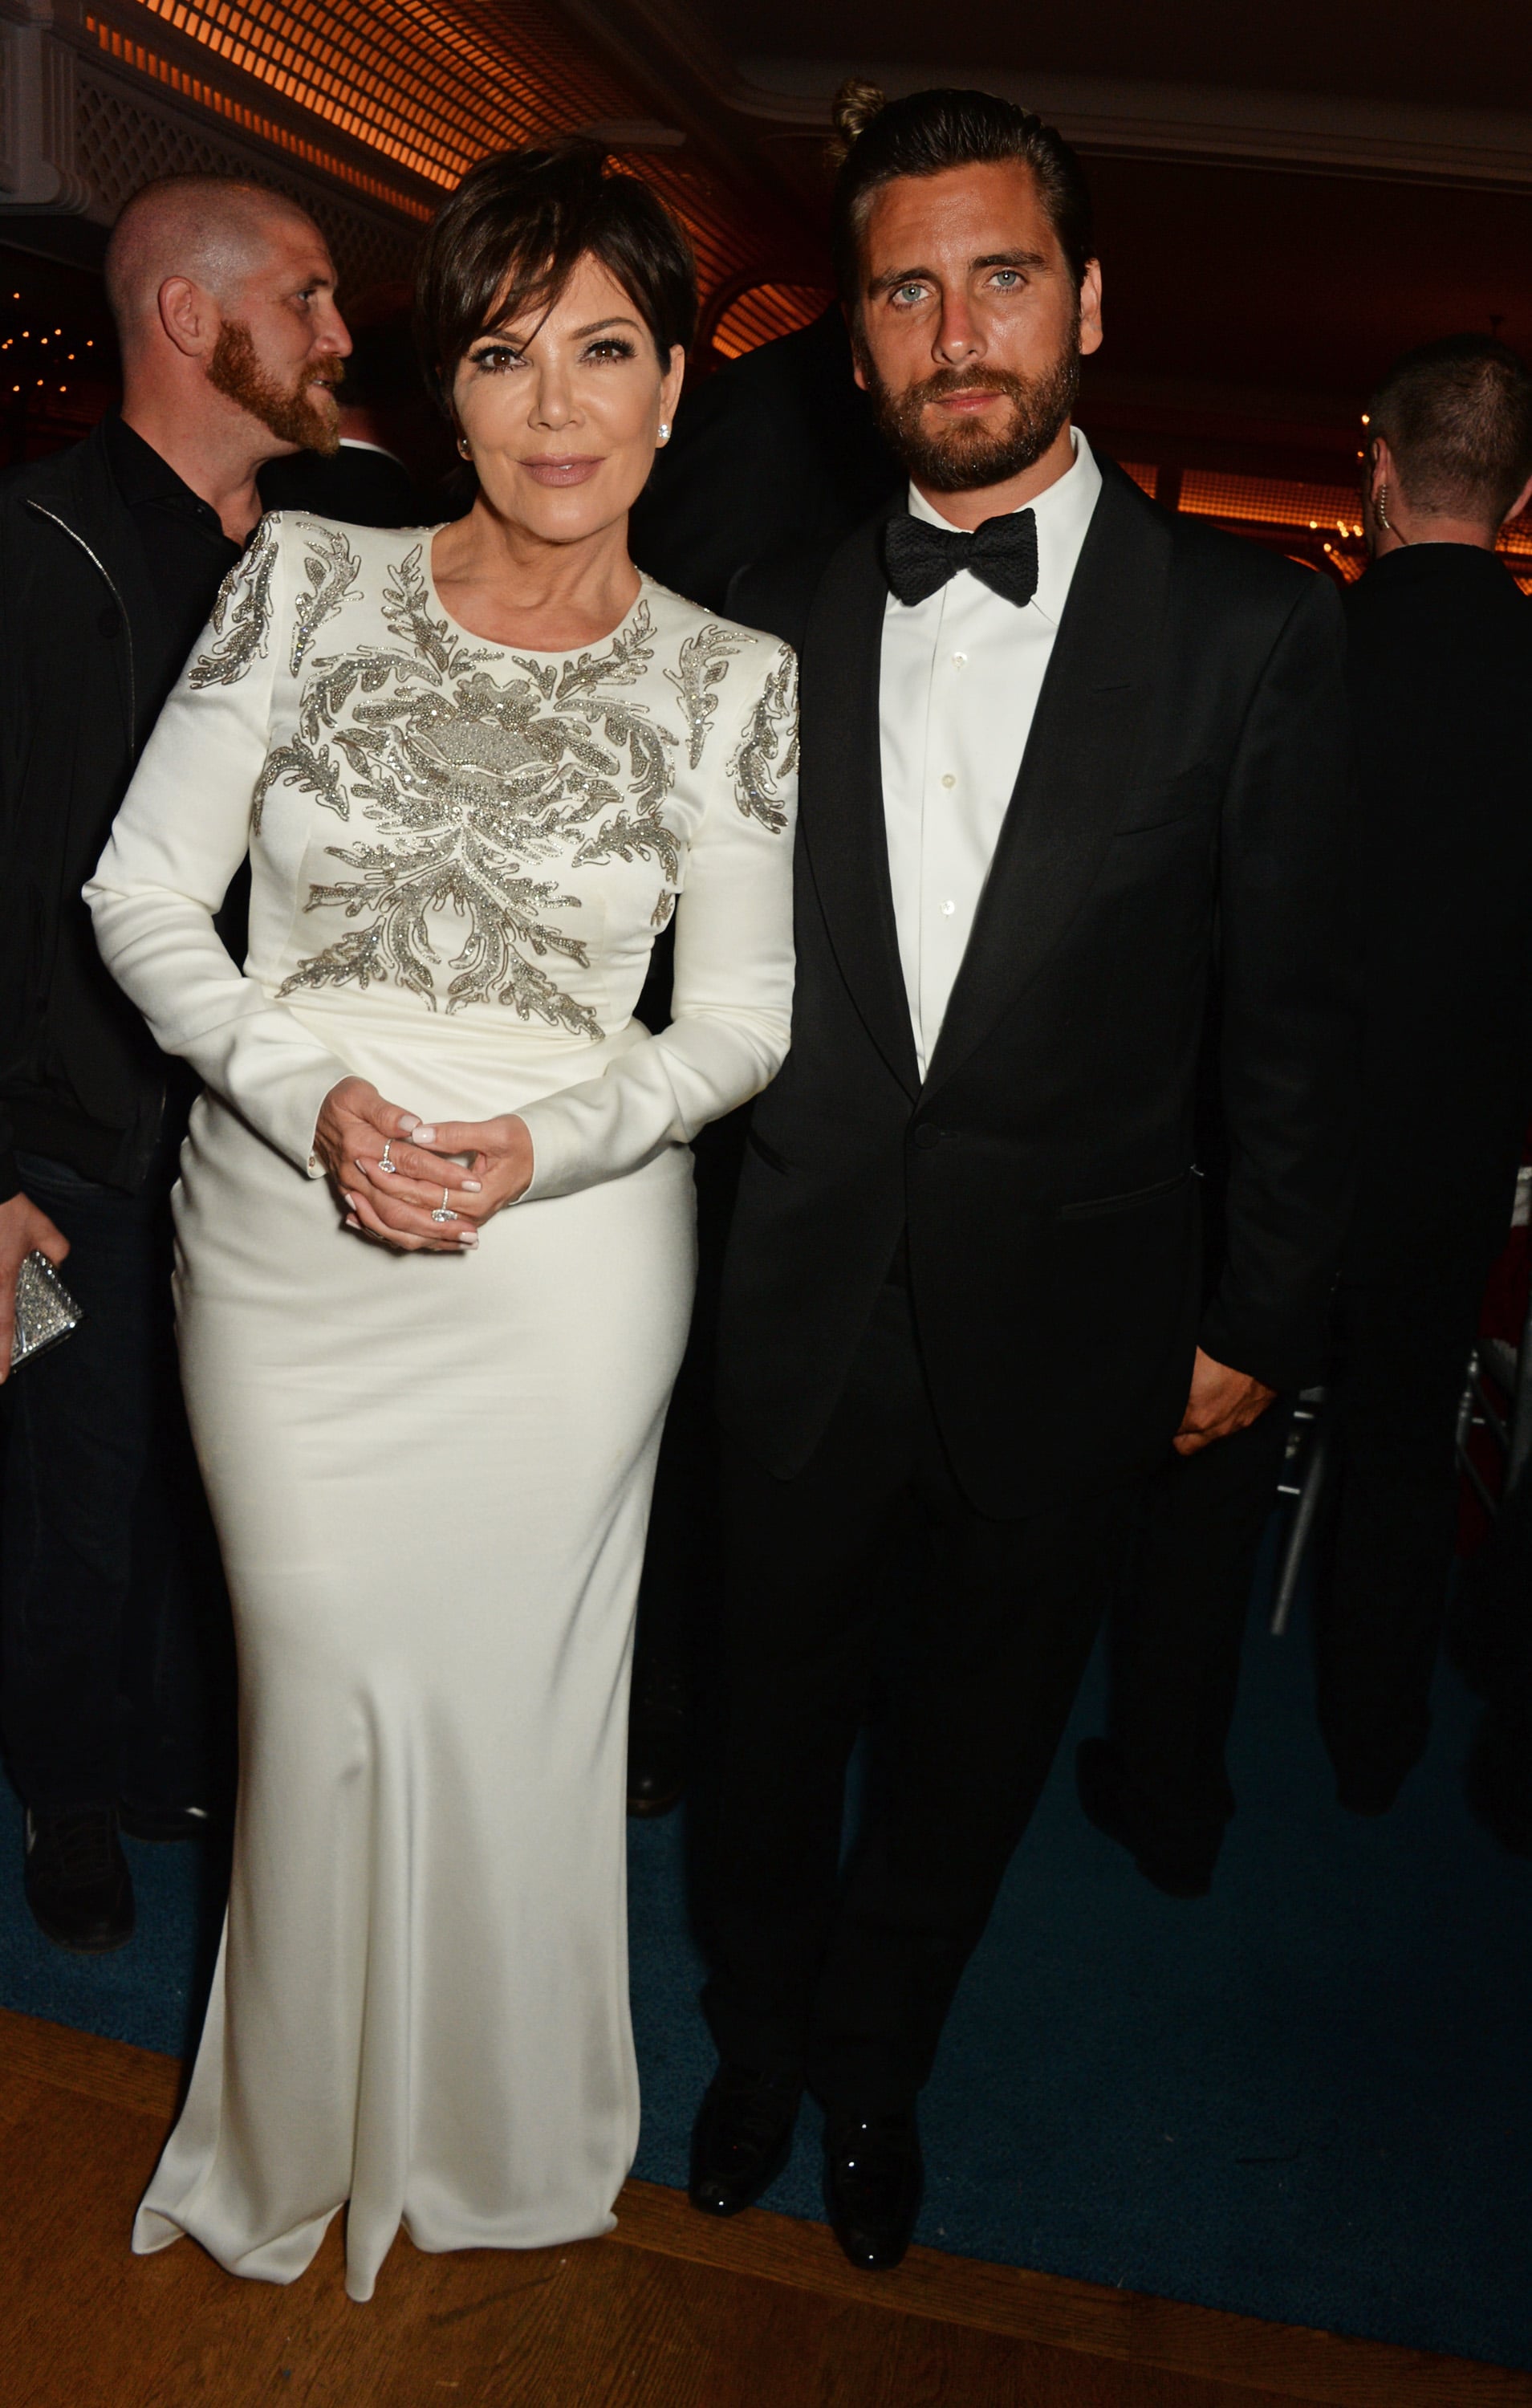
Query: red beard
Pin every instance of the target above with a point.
(295, 414)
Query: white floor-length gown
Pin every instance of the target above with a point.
(431, 1474)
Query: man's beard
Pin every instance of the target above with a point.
(966, 453)
(295, 414)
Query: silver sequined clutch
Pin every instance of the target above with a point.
(45, 1310)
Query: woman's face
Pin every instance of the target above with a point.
(562, 412)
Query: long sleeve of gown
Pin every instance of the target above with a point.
(733, 991)
(183, 832)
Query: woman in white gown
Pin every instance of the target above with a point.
(475, 770)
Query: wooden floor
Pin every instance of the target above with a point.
(672, 2310)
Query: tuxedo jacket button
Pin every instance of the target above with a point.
(925, 1137)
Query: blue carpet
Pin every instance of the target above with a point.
(1306, 2097)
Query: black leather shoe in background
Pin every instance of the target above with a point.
(657, 1746)
(77, 1879)
(743, 2138)
(873, 2180)
(1179, 1871)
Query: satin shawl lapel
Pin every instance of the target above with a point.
(1076, 768)
(841, 793)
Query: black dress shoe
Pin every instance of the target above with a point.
(77, 1880)
(743, 2138)
(657, 1746)
(1180, 1872)
(163, 1823)
(873, 2180)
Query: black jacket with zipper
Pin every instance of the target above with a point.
(81, 1080)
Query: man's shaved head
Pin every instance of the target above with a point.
(212, 229)
(224, 294)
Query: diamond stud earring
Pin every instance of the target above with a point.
(462, 447)
(665, 430)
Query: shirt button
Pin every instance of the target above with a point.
(960, 660)
(947, 911)
(949, 780)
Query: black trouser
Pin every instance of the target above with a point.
(1177, 1628)
(1400, 1355)
(981, 1633)
(113, 1613)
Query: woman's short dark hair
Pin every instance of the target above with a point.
(508, 240)
(1457, 416)
(928, 132)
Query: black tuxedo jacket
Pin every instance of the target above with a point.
(1179, 822)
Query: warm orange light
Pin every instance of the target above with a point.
(1264, 501)
(429, 86)
(766, 311)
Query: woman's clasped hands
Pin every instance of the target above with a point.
(404, 1181)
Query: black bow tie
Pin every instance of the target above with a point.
(919, 558)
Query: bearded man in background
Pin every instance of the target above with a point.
(111, 555)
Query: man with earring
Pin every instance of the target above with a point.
(111, 555)
(1068, 761)
(1440, 666)
(1439, 670)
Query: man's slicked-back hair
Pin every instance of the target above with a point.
(208, 227)
(929, 132)
(1457, 417)
(508, 240)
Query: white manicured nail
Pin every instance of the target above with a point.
(422, 1135)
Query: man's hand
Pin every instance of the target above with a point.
(1221, 1401)
(23, 1230)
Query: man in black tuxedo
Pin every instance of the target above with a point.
(776, 453)
(1063, 755)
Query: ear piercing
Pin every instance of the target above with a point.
(1379, 506)
(463, 447)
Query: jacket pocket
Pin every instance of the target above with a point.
(1185, 798)
(768, 1153)
(1092, 1205)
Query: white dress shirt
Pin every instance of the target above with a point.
(961, 674)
